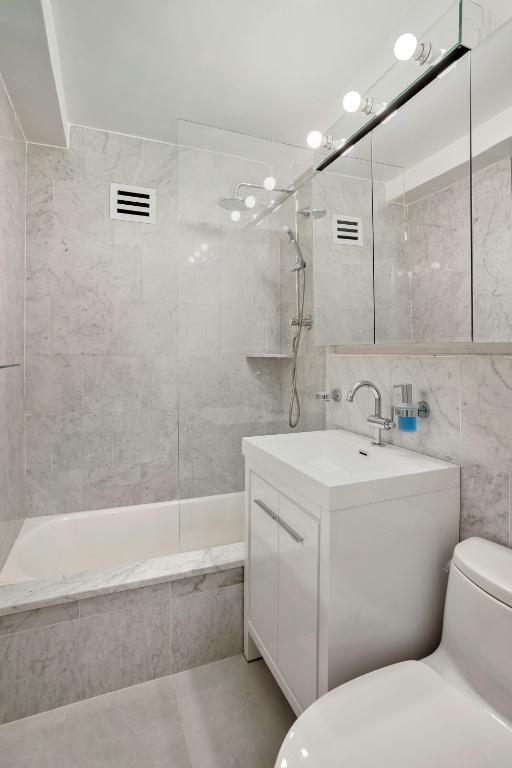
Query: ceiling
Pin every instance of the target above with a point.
(272, 68)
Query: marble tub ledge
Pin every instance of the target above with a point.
(28, 595)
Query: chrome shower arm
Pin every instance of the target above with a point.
(251, 185)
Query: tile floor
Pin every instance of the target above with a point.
(229, 714)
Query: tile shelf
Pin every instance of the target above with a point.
(269, 355)
(11, 365)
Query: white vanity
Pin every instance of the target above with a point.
(347, 546)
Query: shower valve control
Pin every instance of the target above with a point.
(334, 395)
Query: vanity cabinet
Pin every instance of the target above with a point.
(283, 545)
(347, 546)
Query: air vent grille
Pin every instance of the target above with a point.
(347, 230)
(129, 203)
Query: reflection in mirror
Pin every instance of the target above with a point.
(422, 221)
(343, 248)
(491, 64)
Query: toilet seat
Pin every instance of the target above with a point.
(402, 716)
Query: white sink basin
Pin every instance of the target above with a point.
(338, 469)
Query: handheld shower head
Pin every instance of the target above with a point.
(299, 263)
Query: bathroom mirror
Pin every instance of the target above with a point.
(491, 99)
(422, 215)
(343, 250)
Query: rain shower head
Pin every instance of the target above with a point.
(233, 203)
(314, 213)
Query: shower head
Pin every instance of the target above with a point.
(290, 234)
(299, 262)
(233, 203)
(314, 213)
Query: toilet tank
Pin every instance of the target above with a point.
(475, 653)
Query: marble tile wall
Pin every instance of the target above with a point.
(59, 654)
(469, 424)
(101, 347)
(311, 358)
(229, 305)
(12, 306)
(343, 274)
(423, 267)
(492, 246)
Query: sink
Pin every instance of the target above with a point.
(337, 469)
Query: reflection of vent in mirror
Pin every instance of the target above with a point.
(132, 203)
(347, 230)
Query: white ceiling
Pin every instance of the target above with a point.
(270, 68)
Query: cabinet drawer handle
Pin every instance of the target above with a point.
(295, 536)
(266, 509)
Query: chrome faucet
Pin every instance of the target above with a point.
(377, 419)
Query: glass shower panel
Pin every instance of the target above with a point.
(229, 303)
(343, 250)
(422, 207)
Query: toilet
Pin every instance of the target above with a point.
(452, 708)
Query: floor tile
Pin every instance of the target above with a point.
(233, 713)
(137, 727)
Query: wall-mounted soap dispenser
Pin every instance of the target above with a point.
(408, 412)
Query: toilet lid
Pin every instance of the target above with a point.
(402, 716)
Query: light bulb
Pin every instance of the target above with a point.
(314, 139)
(235, 215)
(405, 46)
(352, 101)
(269, 183)
(204, 246)
(250, 201)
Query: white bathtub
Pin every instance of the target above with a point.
(56, 545)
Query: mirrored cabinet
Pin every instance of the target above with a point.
(416, 244)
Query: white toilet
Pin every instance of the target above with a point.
(453, 708)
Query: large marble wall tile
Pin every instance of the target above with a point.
(130, 598)
(39, 617)
(141, 328)
(143, 436)
(206, 626)
(81, 440)
(101, 293)
(484, 503)
(439, 252)
(54, 492)
(54, 665)
(437, 381)
(110, 486)
(199, 330)
(111, 383)
(53, 383)
(486, 419)
(492, 243)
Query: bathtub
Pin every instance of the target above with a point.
(57, 545)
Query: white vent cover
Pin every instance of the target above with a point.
(347, 230)
(132, 203)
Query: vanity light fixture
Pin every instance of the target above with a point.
(407, 48)
(354, 102)
(316, 139)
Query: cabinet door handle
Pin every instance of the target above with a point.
(266, 509)
(295, 536)
(270, 512)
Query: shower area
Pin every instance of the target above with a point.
(151, 348)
